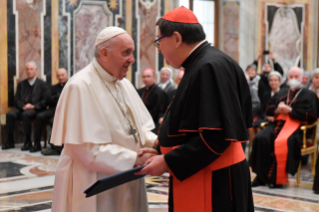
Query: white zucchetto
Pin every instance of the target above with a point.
(108, 33)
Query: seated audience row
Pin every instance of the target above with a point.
(34, 100)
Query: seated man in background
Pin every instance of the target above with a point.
(28, 101)
(46, 116)
(166, 84)
(153, 97)
(276, 149)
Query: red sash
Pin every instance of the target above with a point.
(281, 146)
(195, 192)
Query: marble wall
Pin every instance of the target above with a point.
(231, 26)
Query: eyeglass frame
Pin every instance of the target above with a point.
(156, 42)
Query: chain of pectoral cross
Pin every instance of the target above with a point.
(132, 131)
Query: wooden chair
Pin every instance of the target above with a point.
(311, 149)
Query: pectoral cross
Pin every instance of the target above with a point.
(133, 132)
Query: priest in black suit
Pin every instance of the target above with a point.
(153, 96)
(28, 101)
(46, 116)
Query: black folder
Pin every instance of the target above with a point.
(113, 181)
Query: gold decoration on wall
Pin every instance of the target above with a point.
(113, 4)
(73, 2)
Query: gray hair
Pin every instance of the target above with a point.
(107, 44)
(314, 72)
(251, 66)
(167, 69)
(275, 73)
(34, 64)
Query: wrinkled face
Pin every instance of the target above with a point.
(120, 57)
(267, 68)
(148, 78)
(305, 80)
(315, 80)
(166, 47)
(274, 82)
(30, 71)
(295, 74)
(251, 72)
(62, 75)
(165, 75)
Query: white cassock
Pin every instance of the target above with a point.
(97, 143)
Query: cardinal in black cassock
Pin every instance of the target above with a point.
(276, 149)
(200, 138)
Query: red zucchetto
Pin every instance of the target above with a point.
(181, 15)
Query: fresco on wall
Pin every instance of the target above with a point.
(285, 38)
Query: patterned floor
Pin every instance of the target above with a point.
(26, 184)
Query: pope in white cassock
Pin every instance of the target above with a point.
(103, 124)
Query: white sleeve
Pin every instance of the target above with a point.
(105, 158)
(150, 138)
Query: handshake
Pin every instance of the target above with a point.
(143, 155)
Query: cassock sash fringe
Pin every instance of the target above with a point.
(281, 146)
(195, 192)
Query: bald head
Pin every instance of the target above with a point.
(295, 73)
(62, 75)
(148, 77)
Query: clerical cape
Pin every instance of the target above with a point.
(202, 132)
(97, 143)
(263, 158)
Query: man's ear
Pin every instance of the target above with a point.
(177, 39)
(104, 53)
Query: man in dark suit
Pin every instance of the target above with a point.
(28, 101)
(166, 83)
(153, 97)
(46, 117)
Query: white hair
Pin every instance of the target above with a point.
(301, 70)
(167, 69)
(314, 72)
(107, 44)
(275, 73)
(34, 64)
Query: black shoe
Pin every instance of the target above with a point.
(273, 185)
(8, 145)
(256, 182)
(316, 191)
(37, 147)
(50, 151)
(26, 146)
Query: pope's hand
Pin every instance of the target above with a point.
(147, 150)
(142, 158)
(156, 166)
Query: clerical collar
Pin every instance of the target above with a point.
(272, 92)
(197, 47)
(104, 74)
(31, 82)
(149, 87)
(63, 84)
(194, 52)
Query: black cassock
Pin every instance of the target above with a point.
(155, 101)
(213, 101)
(262, 158)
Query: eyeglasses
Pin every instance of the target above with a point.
(157, 43)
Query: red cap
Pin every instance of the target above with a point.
(181, 15)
